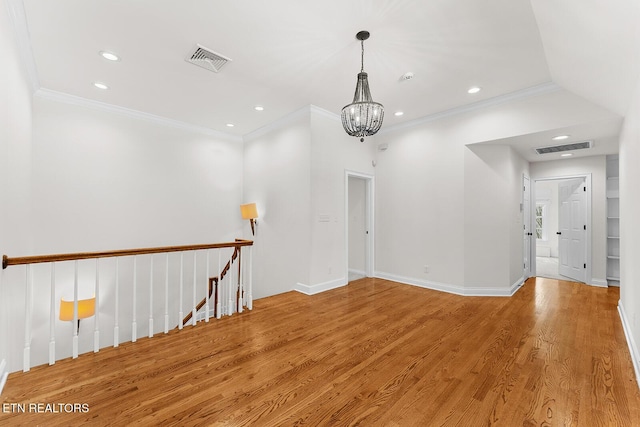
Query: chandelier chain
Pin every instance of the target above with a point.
(362, 56)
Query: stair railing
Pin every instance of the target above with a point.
(111, 283)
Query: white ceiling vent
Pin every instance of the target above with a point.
(565, 147)
(207, 58)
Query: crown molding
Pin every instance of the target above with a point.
(540, 89)
(325, 113)
(278, 124)
(110, 108)
(18, 18)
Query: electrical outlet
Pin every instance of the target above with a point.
(426, 269)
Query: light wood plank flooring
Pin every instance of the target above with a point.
(373, 353)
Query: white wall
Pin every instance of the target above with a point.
(596, 166)
(630, 227)
(104, 181)
(486, 216)
(357, 224)
(332, 153)
(434, 188)
(15, 167)
(277, 176)
(295, 171)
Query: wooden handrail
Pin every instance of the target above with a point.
(6, 261)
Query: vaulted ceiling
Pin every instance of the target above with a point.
(286, 54)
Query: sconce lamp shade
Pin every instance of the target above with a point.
(249, 211)
(86, 308)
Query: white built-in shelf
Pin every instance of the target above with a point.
(613, 217)
(613, 278)
(613, 177)
(613, 257)
(613, 237)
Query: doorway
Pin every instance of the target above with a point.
(359, 225)
(561, 224)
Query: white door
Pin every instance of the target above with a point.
(573, 224)
(526, 218)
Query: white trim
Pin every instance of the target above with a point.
(278, 124)
(53, 95)
(587, 177)
(320, 287)
(18, 18)
(436, 286)
(3, 374)
(325, 113)
(633, 348)
(501, 99)
(599, 283)
(455, 289)
(369, 218)
(359, 272)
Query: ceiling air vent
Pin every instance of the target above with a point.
(565, 147)
(207, 58)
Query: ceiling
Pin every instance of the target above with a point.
(286, 54)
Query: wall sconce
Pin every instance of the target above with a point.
(250, 212)
(86, 308)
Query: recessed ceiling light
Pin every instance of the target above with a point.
(566, 154)
(100, 85)
(230, 125)
(560, 137)
(475, 89)
(258, 108)
(398, 113)
(109, 55)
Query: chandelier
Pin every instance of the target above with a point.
(363, 117)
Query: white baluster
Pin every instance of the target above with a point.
(52, 317)
(151, 298)
(134, 323)
(193, 312)
(240, 278)
(218, 286)
(180, 314)
(75, 311)
(26, 359)
(230, 306)
(206, 290)
(166, 295)
(116, 328)
(250, 292)
(96, 318)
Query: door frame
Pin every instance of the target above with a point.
(369, 213)
(587, 181)
(528, 271)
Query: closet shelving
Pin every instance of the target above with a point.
(613, 222)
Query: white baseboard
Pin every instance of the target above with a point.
(495, 292)
(359, 272)
(633, 348)
(320, 287)
(436, 286)
(3, 374)
(599, 283)
(454, 289)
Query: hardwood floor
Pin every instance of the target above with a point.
(373, 353)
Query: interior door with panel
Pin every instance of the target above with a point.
(572, 234)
